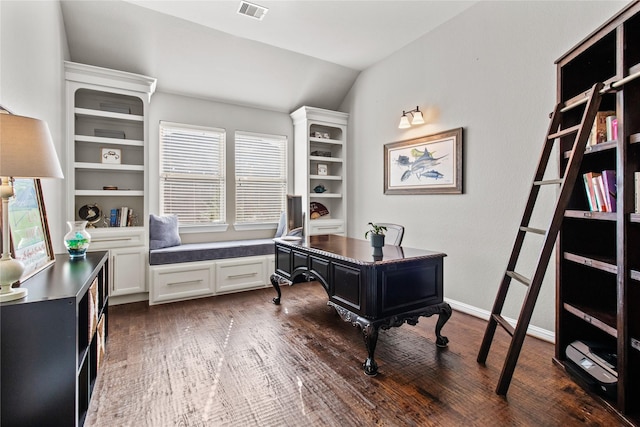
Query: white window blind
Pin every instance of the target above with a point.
(192, 173)
(261, 177)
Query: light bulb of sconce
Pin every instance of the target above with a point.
(417, 118)
(404, 122)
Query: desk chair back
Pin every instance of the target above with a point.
(394, 233)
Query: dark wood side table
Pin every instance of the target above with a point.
(52, 342)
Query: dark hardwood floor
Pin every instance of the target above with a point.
(239, 360)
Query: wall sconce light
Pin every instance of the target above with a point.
(416, 118)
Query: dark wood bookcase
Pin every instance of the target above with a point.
(598, 253)
(52, 343)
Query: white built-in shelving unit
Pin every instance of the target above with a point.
(109, 110)
(321, 139)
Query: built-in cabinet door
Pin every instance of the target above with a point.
(128, 270)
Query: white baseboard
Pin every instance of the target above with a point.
(127, 299)
(534, 331)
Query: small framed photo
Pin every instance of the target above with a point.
(29, 237)
(323, 169)
(111, 155)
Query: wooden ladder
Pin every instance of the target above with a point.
(566, 182)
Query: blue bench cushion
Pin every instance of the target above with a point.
(211, 251)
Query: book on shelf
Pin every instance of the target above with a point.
(599, 129)
(113, 218)
(610, 189)
(612, 128)
(588, 188)
(599, 192)
(124, 214)
(636, 176)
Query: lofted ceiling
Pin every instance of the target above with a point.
(302, 53)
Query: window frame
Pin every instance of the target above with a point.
(270, 224)
(188, 227)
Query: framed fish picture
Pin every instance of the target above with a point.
(430, 164)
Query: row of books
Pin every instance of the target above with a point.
(601, 190)
(605, 128)
(121, 217)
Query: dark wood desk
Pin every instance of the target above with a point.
(371, 293)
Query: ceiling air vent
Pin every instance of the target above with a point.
(252, 10)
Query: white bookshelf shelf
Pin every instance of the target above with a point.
(109, 167)
(109, 141)
(107, 114)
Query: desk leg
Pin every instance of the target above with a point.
(445, 314)
(275, 282)
(370, 333)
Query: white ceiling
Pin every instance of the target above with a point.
(355, 34)
(302, 53)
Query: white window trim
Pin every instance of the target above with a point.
(256, 226)
(213, 228)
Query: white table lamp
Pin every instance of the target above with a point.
(26, 151)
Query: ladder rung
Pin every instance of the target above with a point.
(502, 322)
(549, 181)
(605, 89)
(533, 230)
(519, 277)
(565, 132)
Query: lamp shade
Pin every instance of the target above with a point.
(404, 122)
(26, 149)
(417, 118)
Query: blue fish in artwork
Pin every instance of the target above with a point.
(420, 165)
(432, 174)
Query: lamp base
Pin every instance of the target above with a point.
(13, 294)
(10, 272)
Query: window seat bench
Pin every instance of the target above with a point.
(197, 270)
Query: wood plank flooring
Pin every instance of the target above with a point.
(239, 360)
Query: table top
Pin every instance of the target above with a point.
(357, 250)
(63, 279)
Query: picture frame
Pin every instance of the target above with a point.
(429, 164)
(29, 237)
(323, 169)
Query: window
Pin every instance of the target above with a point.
(261, 177)
(192, 173)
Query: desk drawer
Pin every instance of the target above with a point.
(183, 281)
(239, 274)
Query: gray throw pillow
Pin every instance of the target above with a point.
(282, 224)
(163, 231)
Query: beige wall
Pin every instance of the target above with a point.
(491, 71)
(33, 46)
